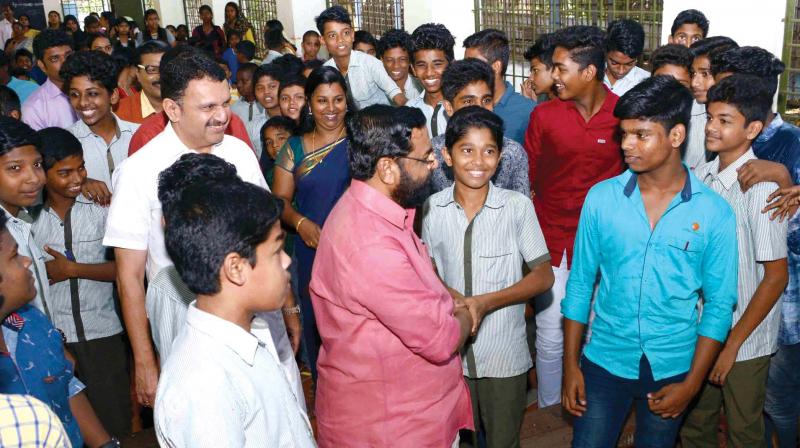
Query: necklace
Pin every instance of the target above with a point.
(314, 139)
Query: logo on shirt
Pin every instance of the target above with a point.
(695, 226)
(601, 140)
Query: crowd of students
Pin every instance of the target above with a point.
(184, 227)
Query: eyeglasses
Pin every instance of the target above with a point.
(430, 160)
(149, 69)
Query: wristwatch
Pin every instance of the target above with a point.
(113, 443)
(291, 309)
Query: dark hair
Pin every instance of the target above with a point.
(292, 80)
(268, 70)
(91, 37)
(23, 52)
(672, 54)
(318, 77)
(50, 38)
(90, 20)
(462, 73)
(24, 15)
(749, 94)
(289, 65)
(247, 67)
(151, 47)
(205, 8)
(625, 36)
(9, 101)
(365, 37)
(661, 99)
(246, 48)
(313, 64)
(310, 33)
(473, 117)
(57, 145)
(433, 36)
(95, 65)
(279, 121)
(749, 61)
(332, 14)
(586, 46)
(108, 15)
(692, 16)
(238, 214)
(150, 12)
(183, 66)
(4, 61)
(235, 7)
(124, 57)
(492, 44)
(273, 36)
(706, 46)
(542, 49)
(394, 38)
(379, 131)
(233, 32)
(121, 20)
(14, 134)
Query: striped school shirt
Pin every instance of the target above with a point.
(759, 238)
(482, 256)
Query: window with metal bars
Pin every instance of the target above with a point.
(258, 12)
(148, 4)
(190, 11)
(375, 16)
(525, 20)
(789, 92)
(82, 8)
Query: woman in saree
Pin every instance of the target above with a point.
(311, 174)
(234, 20)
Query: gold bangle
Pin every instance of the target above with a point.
(297, 226)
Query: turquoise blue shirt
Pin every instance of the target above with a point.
(22, 88)
(651, 281)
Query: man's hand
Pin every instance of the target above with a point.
(60, 268)
(784, 202)
(723, 365)
(671, 400)
(293, 329)
(97, 191)
(573, 390)
(146, 383)
(755, 171)
(477, 309)
(458, 298)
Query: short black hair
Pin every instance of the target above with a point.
(462, 73)
(625, 36)
(672, 54)
(233, 32)
(48, 39)
(90, 20)
(289, 65)
(19, 52)
(332, 14)
(189, 64)
(310, 33)
(714, 43)
(292, 80)
(542, 49)
(313, 64)
(57, 145)
(660, 99)
(238, 214)
(95, 65)
(492, 44)
(690, 16)
(150, 12)
(246, 48)
(379, 131)
(433, 36)
(151, 47)
(15, 134)
(124, 57)
(247, 67)
(9, 101)
(365, 37)
(268, 70)
(586, 46)
(204, 8)
(750, 61)
(749, 94)
(394, 38)
(91, 37)
(278, 121)
(473, 117)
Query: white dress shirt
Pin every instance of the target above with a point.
(629, 81)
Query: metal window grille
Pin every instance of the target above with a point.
(525, 20)
(82, 8)
(148, 4)
(258, 12)
(375, 16)
(789, 92)
(190, 11)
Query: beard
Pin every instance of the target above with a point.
(412, 193)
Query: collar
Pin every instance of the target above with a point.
(241, 342)
(729, 175)
(23, 216)
(506, 95)
(51, 90)
(355, 59)
(14, 322)
(770, 131)
(606, 106)
(84, 131)
(381, 205)
(147, 107)
(494, 199)
(629, 180)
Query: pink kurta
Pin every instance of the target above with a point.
(387, 372)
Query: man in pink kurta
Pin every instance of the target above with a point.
(389, 369)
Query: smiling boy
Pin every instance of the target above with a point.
(394, 50)
(432, 53)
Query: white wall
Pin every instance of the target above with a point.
(298, 16)
(752, 23)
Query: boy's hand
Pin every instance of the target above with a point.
(784, 202)
(293, 330)
(671, 400)
(527, 89)
(60, 268)
(723, 365)
(477, 309)
(573, 390)
(97, 191)
(755, 171)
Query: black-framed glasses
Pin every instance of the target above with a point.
(430, 160)
(149, 69)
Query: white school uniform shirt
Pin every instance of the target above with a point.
(224, 386)
(134, 218)
(103, 158)
(429, 112)
(629, 81)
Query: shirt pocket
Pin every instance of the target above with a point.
(494, 270)
(682, 264)
(87, 243)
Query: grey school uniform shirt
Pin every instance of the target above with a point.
(486, 255)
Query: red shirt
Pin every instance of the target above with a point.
(155, 123)
(568, 155)
(387, 372)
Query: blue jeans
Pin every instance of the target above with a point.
(782, 404)
(608, 401)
